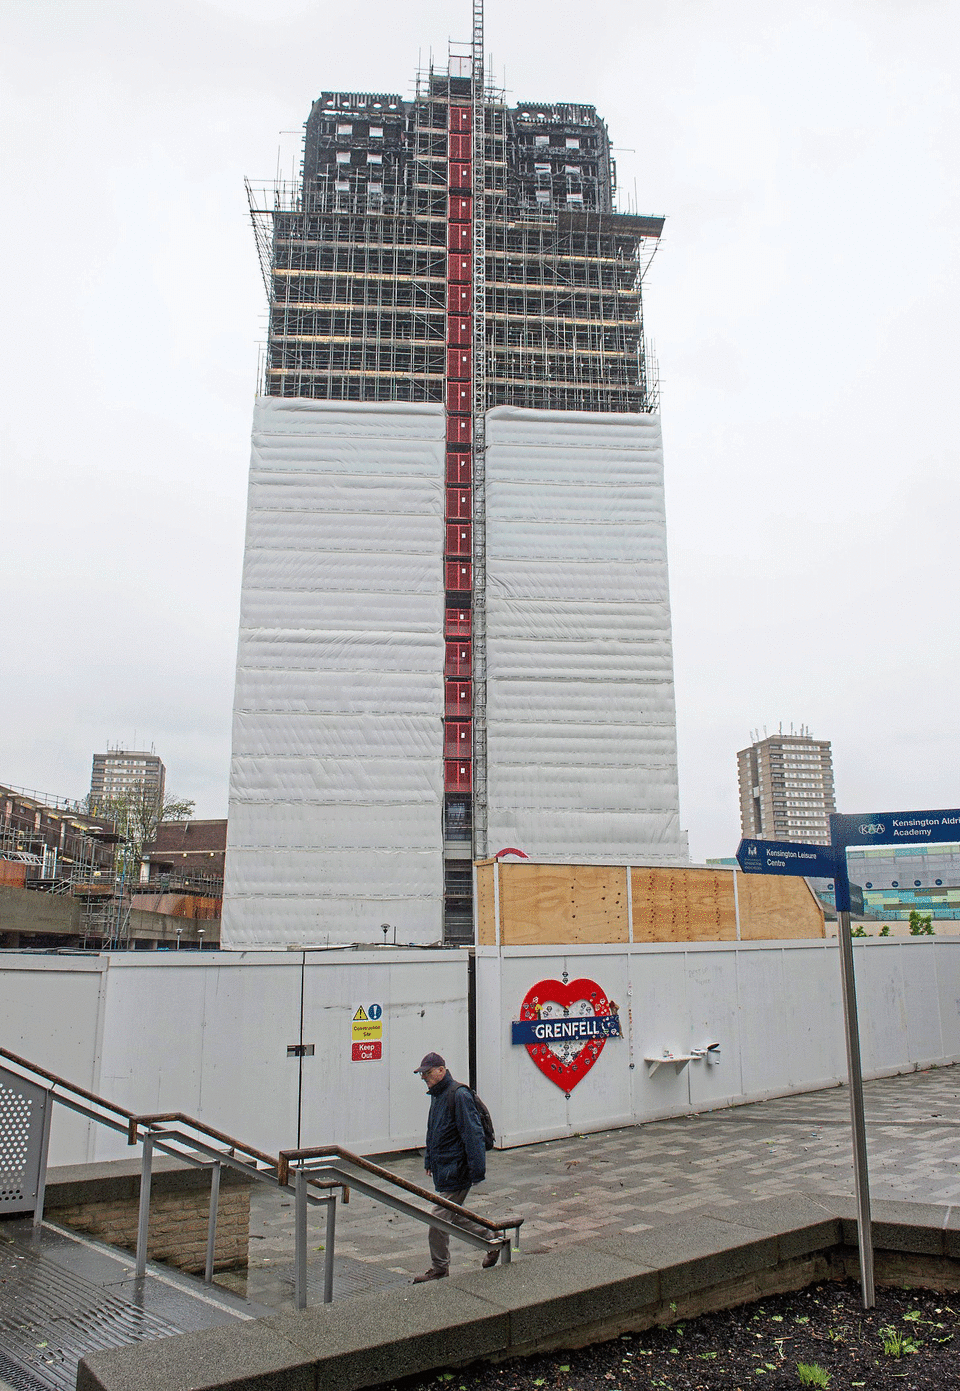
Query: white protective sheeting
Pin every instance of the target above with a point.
(336, 783)
(581, 725)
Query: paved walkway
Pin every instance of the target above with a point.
(629, 1180)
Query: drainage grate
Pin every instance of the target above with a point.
(349, 1277)
(51, 1317)
(19, 1379)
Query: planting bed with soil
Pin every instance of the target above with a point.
(819, 1337)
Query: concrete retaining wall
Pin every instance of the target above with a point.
(570, 1298)
(102, 1200)
(25, 910)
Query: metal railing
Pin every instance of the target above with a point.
(198, 1144)
(352, 1171)
(324, 1169)
(173, 1133)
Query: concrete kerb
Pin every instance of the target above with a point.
(546, 1295)
(925, 1229)
(580, 1294)
(417, 1329)
(235, 1357)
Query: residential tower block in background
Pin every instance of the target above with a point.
(786, 788)
(120, 771)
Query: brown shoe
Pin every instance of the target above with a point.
(432, 1274)
(490, 1258)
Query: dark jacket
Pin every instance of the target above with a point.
(455, 1155)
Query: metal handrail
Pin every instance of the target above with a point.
(320, 1152)
(71, 1086)
(344, 1164)
(168, 1139)
(198, 1152)
(209, 1148)
(203, 1151)
(132, 1122)
(228, 1140)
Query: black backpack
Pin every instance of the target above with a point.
(483, 1111)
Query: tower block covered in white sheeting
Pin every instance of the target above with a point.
(455, 627)
(336, 786)
(581, 741)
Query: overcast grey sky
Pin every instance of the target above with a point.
(803, 303)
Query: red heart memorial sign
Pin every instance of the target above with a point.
(564, 1025)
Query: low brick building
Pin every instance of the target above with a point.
(186, 854)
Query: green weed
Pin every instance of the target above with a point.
(812, 1374)
(895, 1344)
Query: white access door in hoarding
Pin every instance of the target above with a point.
(369, 1017)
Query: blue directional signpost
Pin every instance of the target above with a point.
(830, 862)
(894, 828)
(785, 857)
(874, 828)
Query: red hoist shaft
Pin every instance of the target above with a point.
(458, 551)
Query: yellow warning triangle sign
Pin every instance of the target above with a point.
(360, 1014)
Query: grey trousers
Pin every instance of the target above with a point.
(439, 1240)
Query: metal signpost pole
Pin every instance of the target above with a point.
(300, 1238)
(787, 857)
(819, 861)
(876, 828)
(854, 1070)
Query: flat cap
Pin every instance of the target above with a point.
(431, 1060)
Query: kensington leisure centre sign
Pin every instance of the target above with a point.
(785, 857)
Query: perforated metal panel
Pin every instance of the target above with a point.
(23, 1109)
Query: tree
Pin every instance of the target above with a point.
(921, 924)
(136, 814)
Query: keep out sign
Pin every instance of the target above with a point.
(366, 1028)
(564, 1026)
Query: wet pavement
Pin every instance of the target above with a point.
(63, 1296)
(631, 1179)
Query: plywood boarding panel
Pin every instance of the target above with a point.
(683, 905)
(486, 920)
(565, 905)
(774, 907)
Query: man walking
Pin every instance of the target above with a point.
(455, 1158)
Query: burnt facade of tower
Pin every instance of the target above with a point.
(365, 271)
